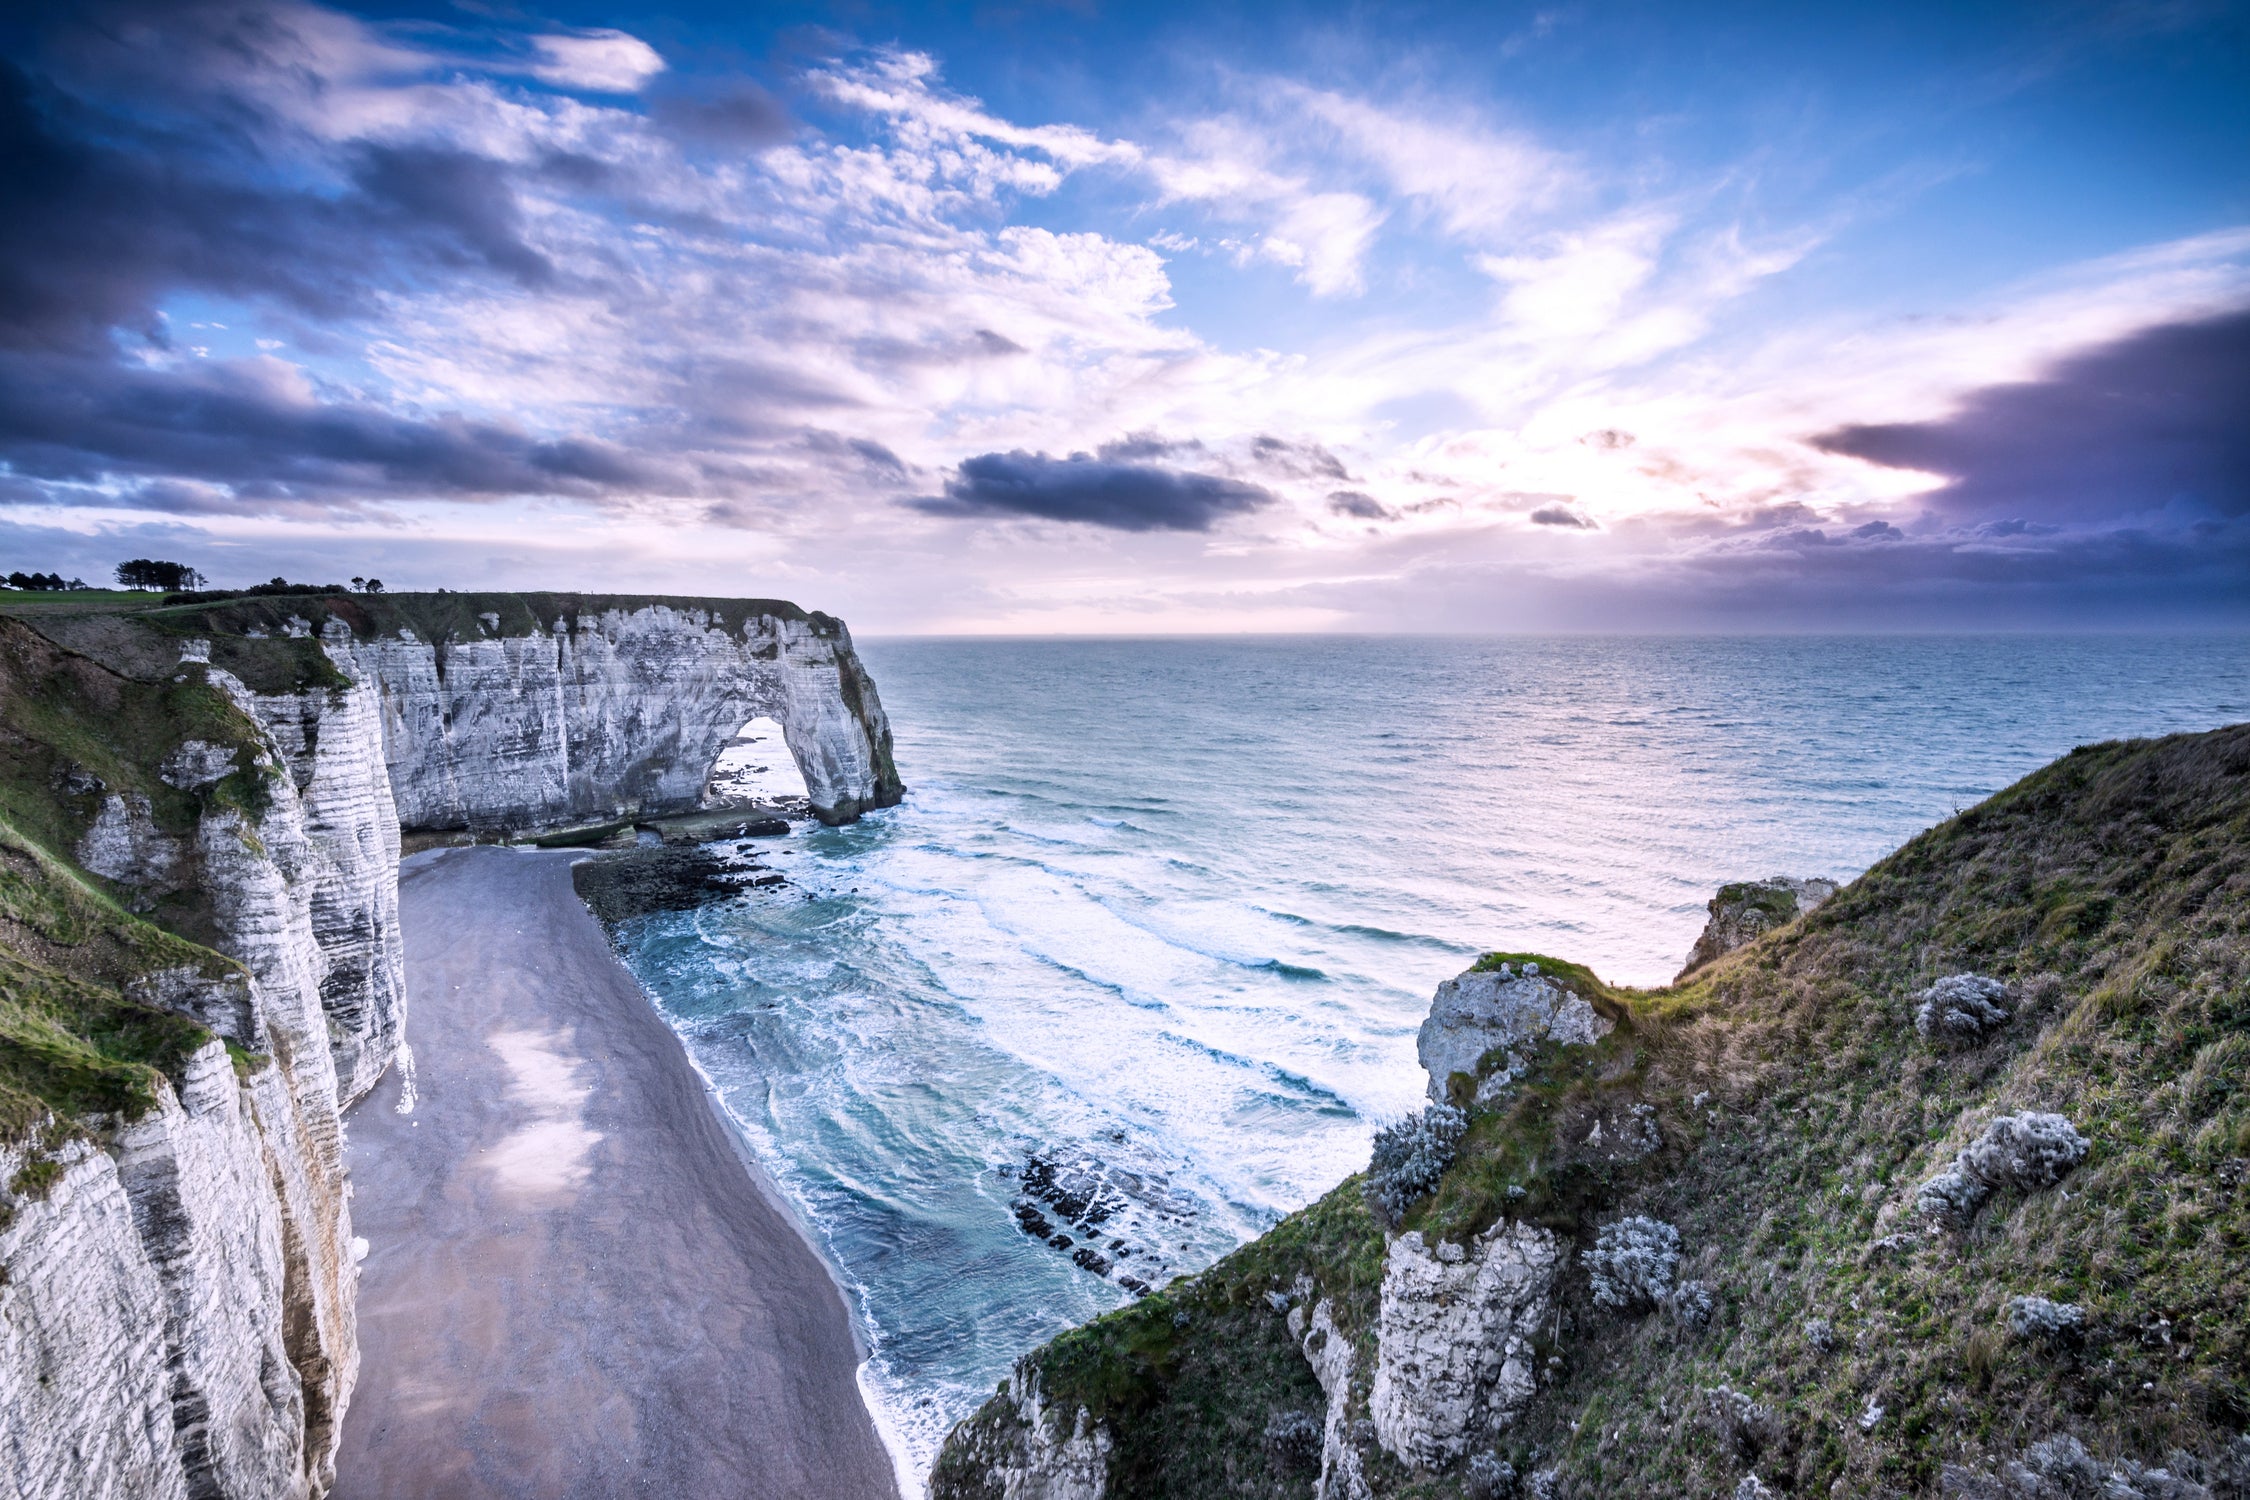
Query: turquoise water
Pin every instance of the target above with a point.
(1164, 915)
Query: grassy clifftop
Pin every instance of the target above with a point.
(1796, 1110)
(250, 634)
(74, 1044)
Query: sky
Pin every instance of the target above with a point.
(1020, 317)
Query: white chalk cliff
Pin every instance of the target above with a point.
(177, 1309)
(611, 712)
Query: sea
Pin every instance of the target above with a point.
(1138, 963)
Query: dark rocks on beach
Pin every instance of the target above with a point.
(641, 882)
(655, 878)
(1076, 1192)
(1082, 1199)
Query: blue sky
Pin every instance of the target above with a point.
(1097, 318)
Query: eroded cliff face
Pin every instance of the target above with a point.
(611, 712)
(177, 1309)
(235, 1185)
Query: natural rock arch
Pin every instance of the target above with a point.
(615, 711)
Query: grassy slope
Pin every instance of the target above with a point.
(72, 1046)
(2113, 889)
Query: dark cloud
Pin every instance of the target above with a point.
(741, 115)
(1099, 491)
(1299, 460)
(863, 453)
(251, 426)
(462, 206)
(1141, 447)
(2153, 420)
(1355, 503)
(92, 235)
(1562, 515)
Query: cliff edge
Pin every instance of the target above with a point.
(1940, 1188)
(201, 802)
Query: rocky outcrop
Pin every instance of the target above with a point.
(612, 712)
(1500, 1013)
(238, 1186)
(1026, 1450)
(1749, 909)
(330, 742)
(82, 1333)
(1333, 1360)
(1454, 1364)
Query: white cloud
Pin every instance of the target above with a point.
(1580, 282)
(763, 330)
(1481, 182)
(1324, 235)
(607, 62)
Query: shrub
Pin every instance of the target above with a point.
(2045, 1321)
(1962, 1007)
(1410, 1156)
(1632, 1262)
(1293, 1440)
(1490, 1477)
(2028, 1151)
(1690, 1304)
(1744, 1426)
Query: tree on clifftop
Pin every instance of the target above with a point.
(147, 573)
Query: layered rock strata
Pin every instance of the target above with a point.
(613, 712)
(236, 1185)
(177, 1312)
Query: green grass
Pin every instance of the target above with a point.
(1798, 1110)
(71, 1044)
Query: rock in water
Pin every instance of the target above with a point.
(1750, 909)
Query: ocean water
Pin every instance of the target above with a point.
(1159, 918)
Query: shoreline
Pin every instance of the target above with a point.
(578, 1281)
(903, 1465)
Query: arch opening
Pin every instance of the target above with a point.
(756, 766)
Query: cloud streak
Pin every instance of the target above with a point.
(1094, 490)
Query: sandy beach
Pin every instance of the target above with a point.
(576, 1285)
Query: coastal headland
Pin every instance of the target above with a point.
(206, 990)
